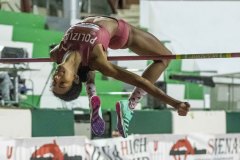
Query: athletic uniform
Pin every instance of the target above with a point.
(84, 36)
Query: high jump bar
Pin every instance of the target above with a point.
(129, 58)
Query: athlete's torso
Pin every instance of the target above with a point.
(83, 37)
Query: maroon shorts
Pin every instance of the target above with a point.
(120, 38)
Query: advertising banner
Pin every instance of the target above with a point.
(135, 147)
(169, 147)
(54, 148)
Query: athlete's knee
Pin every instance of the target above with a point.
(164, 62)
(167, 60)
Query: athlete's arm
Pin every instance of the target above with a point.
(90, 84)
(108, 69)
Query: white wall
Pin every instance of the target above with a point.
(15, 123)
(196, 27)
(212, 122)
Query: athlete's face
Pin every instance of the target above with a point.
(62, 80)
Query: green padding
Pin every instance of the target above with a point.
(192, 90)
(47, 122)
(32, 101)
(46, 37)
(109, 85)
(109, 101)
(148, 122)
(22, 19)
(174, 68)
(40, 50)
(42, 39)
(175, 65)
(233, 122)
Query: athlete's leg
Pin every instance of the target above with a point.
(144, 43)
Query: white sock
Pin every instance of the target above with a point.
(135, 97)
(91, 90)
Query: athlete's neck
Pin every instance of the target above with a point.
(72, 61)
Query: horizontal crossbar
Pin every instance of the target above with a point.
(129, 58)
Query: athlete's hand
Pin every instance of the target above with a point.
(183, 108)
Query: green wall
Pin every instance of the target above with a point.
(233, 122)
(47, 122)
(22, 19)
(148, 122)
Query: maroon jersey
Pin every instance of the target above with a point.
(83, 37)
